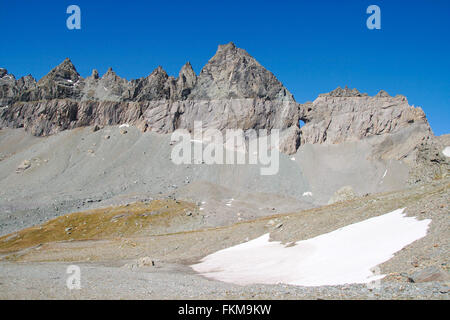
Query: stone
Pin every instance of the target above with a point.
(343, 194)
(145, 262)
(428, 274)
(23, 166)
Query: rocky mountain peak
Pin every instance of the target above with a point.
(382, 94)
(346, 92)
(26, 82)
(187, 69)
(234, 74)
(6, 77)
(65, 71)
(95, 74)
(110, 75)
(153, 87)
(225, 47)
(186, 81)
(160, 72)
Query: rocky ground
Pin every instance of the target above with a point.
(116, 267)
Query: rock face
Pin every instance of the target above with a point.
(233, 74)
(431, 273)
(344, 115)
(232, 91)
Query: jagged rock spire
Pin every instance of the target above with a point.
(95, 74)
(186, 81)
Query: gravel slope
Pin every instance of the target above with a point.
(108, 272)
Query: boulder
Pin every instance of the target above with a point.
(343, 194)
(428, 274)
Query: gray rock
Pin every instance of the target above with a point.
(233, 74)
(23, 166)
(336, 118)
(343, 194)
(428, 274)
(186, 81)
(145, 262)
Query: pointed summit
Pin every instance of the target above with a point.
(230, 46)
(63, 72)
(159, 71)
(95, 74)
(27, 82)
(186, 81)
(186, 69)
(234, 74)
(153, 87)
(110, 74)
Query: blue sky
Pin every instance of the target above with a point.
(311, 46)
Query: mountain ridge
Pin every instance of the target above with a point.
(232, 91)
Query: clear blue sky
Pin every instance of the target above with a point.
(311, 46)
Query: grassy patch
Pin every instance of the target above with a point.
(103, 223)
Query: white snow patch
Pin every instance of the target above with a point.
(229, 202)
(446, 151)
(343, 256)
(307, 194)
(125, 125)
